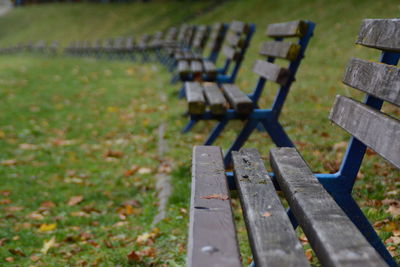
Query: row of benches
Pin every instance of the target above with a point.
(321, 204)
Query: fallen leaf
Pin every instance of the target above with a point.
(148, 252)
(266, 214)
(5, 201)
(113, 154)
(27, 147)
(395, 240)
(35, 216)
(144, 170)
(394, 210)
(75, 200)
(309, 254)
(215, 196)
(8, 162)
(47, 245)
(133, 257)
(9, 259)
(47, 227)
(133, 169)
(34, 258)
(17, 252)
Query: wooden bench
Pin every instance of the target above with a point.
(214, 45)
(226, 102)
(321, 204)
(237, 41)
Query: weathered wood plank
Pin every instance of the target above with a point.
(271, 72)
(183, 67)
(212, 235)
(234, 39)
(375, 129)
(334, 238)
(215, 98)
(238, 27)
(287, 29)
(210, 69)
(196, 67)
(238, 100)
(377, 79)
(283, 50)
(195, 98)
(272, 237)
(382, 34)
(231, 53)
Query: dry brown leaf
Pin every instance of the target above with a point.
(34, 258)
(17, 252)
(144, 170)
(216, 196)
(131, 171)
(309, 254)
(9, 162)
(75, 200)
(133, 257)
(394, 210)
(9, 259)
(5, 201)
(113, 154)
(395, 240)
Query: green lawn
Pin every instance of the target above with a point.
(79, 136)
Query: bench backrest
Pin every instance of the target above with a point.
(237, 41)
(292, 51)
(217, 36)
(380, 81)
(200, 38)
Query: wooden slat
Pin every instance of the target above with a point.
(382, 34)
(375, 129)
(195, 98)
(287, 29)
(238, 100)
(196, 67)
(183, 67)
(212, 235)
(377, 79)
(231, 53)
(271, 72)
(215, 98)
(271, 234)
(334, 238)
(210, 69)
(234, 40)
(283, 50)
(238, 26)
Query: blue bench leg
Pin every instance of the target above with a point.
(277, 134)
(215, 132)
(353, 211)
(189, 126)
(175, 79)
(240, 140)
(182, 93)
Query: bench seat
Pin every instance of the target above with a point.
(216, 99)
(212, 235)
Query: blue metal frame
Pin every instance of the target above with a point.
(222, 73)
(268, 118)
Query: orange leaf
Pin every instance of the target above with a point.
(216, 196)
(74, 200)
(133, 257)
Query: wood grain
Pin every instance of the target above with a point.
(271, 72)
(375, 129)
(287, 29)
(212, 235)
(333, 237)
(215, 98)
(272, 237)
(195, 98)
(377, 79)
(382, 34)
(283, 50)
(239, 101)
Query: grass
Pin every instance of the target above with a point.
(79, 127)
